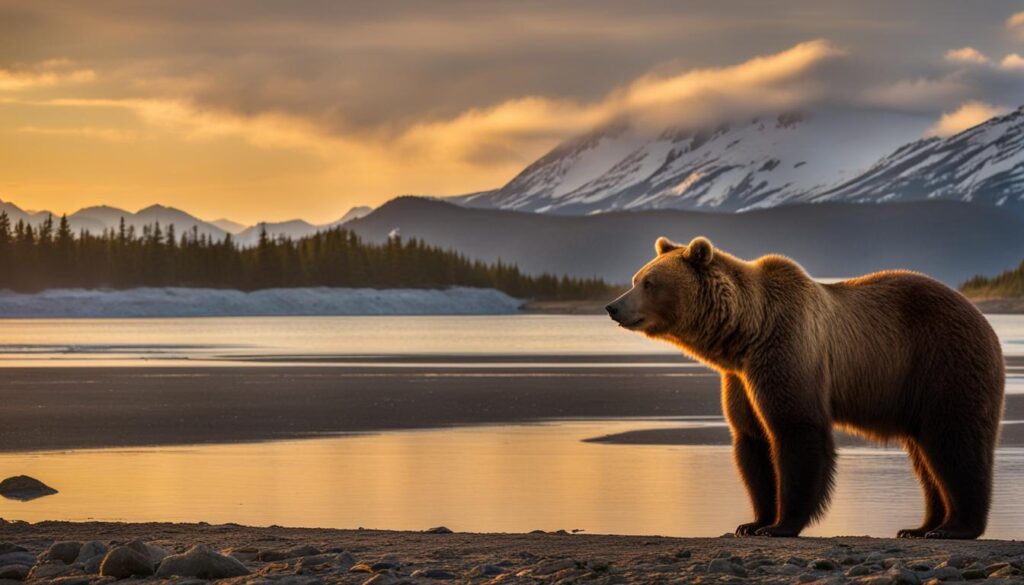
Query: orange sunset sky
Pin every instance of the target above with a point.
(275, 110)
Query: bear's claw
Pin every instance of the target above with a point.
(912, 533)
(749, 529)
(776, 531)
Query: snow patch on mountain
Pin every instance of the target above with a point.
(761, 162)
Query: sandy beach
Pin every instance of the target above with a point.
(62, 408)
(310, 556)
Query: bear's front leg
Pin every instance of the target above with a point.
(803, 450)
(751, 453)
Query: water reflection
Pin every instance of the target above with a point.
(488, 479)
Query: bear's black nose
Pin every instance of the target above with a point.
(612, 310)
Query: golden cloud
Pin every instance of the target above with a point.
(969, 114)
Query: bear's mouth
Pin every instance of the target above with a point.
(633, 325)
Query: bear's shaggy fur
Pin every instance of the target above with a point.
(893, 356)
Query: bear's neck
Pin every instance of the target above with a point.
(734, 322)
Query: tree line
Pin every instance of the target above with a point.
(1009, 284)
(52, 256)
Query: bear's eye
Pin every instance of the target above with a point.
(648, 285)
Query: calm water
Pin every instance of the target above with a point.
(486, 478)
(133, 342)
(483, 479)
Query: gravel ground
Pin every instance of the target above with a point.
(191, 554)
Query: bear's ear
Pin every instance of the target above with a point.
(700, 251)
(664, 245)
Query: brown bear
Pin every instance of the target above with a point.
(892, 356)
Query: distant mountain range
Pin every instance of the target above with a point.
(863, 156)
(951, 241)
(102, 217)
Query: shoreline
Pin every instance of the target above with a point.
(311, 555)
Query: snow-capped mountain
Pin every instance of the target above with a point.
(983, 164)
(759, 163)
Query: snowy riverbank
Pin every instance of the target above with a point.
(200, 302)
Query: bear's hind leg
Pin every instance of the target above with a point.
(962, 466)
(935, 509)
(751, 453)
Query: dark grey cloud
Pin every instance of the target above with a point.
(377, 67)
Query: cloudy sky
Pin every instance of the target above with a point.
(274, 110)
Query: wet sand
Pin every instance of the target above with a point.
(314, 556)
(63, 408)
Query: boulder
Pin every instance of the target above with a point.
(18, 558)
(15, 572)
(90, 550)
(24, 488)
(201, 561)
(65, 551)
(126, 561)
(49, 570)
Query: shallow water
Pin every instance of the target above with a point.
(229, 340)
(512, 478)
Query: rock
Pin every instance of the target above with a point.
(243, 553)
(904, 577)
(18, 558)
(433, 574)
(875, 580)
(488, 570)
(93, 564)
(796, 561)
(384, 566)
(824, 565)
(6, 547)
(726, 566)
(288, 553)
(65, 551)
(552, 567)
(49, 570)
(958, 561)
(1007, 571)
(24, 488)
(858, 571)
(438, 530)
(973, 573)
(91, 549)
(73, 580)
(994, 567)
(385, 578)
(16, 572)
(360, 568)
(947, 574)
(201, 561)
(126, 561)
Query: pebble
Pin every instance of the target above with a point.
(824, 565)
(90, 550)
(723, 565)
(126, 561)
(489, 570)
(554, 566)
(904, 577)
(201, 561)
(48, 570)
(288, 553)
(438, 530)
(65, 551)
(18, 558)
(433, 574)
(16, 572)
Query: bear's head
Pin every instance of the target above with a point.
(668, 297)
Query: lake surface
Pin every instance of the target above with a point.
(227, 341)
(513, 478)
(501, 478)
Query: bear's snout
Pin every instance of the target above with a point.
(612, 309)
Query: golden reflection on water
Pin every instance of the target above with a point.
(479, 479)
